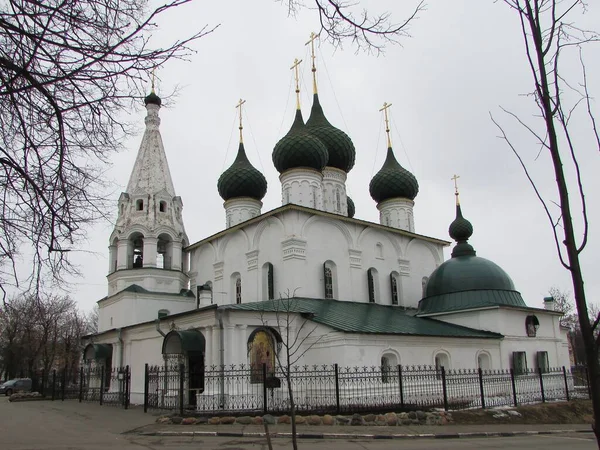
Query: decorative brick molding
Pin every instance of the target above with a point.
(355, 258)
(252, 260)
(404, 266)
(293, 248)
(218, 266)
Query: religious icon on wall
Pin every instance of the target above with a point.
(261, 353)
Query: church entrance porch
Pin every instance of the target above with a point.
(177, 383)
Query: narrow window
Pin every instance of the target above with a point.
(379, 250)
(371, 285)
(270, 286)
(338, 202)
(519, 363)
(385, 369)
(542, 362)
(162, 206)
(531, 325)
(238, 291)
(328, 282)
(394, 284)
(139, 205)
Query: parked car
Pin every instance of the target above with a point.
(17, 385)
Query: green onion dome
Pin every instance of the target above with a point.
(241, 179)
(393, 181)
(153, 99)
(467, 281)
(351, 207)
(339, 145)
(299, 148)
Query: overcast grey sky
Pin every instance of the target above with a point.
(464, 60)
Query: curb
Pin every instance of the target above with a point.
(477, 434)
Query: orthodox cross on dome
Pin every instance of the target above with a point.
(311, 41)
(387, 123)
(455, 178)
(152, 83)
(239, 105)
(296, 77)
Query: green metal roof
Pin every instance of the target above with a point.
(364, 318)
(457, 301)
(190, 340)
(140, 290)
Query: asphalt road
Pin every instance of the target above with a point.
(56, 425)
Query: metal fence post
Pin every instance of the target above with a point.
(64, 382)
(264, 379)
(80, 384)
(542, 384)
(337, 388)
(566, 383)
(481, 388)
(53, 384)
(146, 386)
(181, 386)
(444, 389)
(127, 378)
(101, 384)
(514, 386)
(401, 387)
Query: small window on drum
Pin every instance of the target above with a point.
(162, 206)
(139, 205)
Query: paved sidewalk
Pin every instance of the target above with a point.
(362, 432)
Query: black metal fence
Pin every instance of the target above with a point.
(331, 389)
(88, 384)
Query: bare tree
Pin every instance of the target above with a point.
(549, 36)
(68, 69)
(343, 20)
(297, 332)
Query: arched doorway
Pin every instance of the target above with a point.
(187, 348)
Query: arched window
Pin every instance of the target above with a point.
(373, 285)
(389, 362)
(330, 279)
(338, 201)
(236, 288)
(163, 313)
(238, 291)
(483, 361)
(379, 250)
(136, 251)
(424, 286)
(139, 205)
(268, 281)
(162, 206)
(531, 325)
(261, 354)
(442, 359)
(394, 286)
(164, 251)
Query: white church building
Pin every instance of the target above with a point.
(360, 293)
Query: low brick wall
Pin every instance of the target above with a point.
(389, 419)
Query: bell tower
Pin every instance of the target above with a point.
(146, 244)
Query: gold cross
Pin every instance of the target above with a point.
(153, 76)
(296, 76)
(311, 41)
(239, 105)
(455, 178)
(387, 123)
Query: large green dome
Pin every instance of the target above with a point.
(242, 179)
(393, 181)
(466, 280)
(341, 150)
(299, 148)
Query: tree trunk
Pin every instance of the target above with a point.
(292, 409)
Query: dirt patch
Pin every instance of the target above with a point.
(575, 412)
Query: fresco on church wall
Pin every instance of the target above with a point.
(261, 352)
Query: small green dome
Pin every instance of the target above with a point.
(241, 179)
(153, 99)
(393, 181)
(466, 280)
(351, 207)
(341, 150)
(299, 148)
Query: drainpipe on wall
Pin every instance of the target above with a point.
(157, 321)
(122, 345)
(221, 355)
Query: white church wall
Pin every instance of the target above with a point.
(298, 243)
